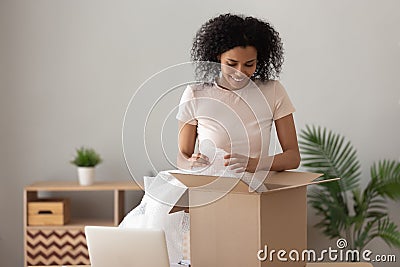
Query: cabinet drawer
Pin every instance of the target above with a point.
(48, 212)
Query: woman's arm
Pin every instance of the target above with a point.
(186, 142)
(187, 139)
(290, 156)
(288, 159)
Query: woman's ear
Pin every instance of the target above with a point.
(219, 58)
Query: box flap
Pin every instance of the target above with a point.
(277, 187)
(212, 183)
(274, 181)
(291, 178)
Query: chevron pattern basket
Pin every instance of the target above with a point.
(56, 247)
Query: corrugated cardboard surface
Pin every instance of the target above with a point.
(230, 231)
(212, 183)
(274, 182)
(225, 232)
(236, 223)
(284, 224)
(340, 264)
(292, 178)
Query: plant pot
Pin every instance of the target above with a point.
(86, 175)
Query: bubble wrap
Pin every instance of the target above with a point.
(152, 213)
(164, 190)
(217, 168)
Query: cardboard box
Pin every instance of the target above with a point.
(339, 264)
(48, 212)
(236, 224)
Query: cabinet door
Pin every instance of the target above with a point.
(56, 247)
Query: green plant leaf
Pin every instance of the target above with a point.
(86, 157)
(387, 230)
(333, 216)
(329, 153)
(386, 175)
(326, 152)
(363, 236)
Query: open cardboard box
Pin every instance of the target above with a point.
(340, 264)
(229, 224)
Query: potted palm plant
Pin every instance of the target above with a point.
(344, 208)
(86, 160)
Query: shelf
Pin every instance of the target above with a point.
(74, 186)
(62, 266)
(76, 223)
(46, 244)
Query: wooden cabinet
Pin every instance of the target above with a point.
(61, 245)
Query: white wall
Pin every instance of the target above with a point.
(69, 68)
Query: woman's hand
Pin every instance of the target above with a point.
(198, 160)
(240, 163)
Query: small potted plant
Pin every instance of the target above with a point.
(86, 159)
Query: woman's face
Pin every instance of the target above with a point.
(237, 66)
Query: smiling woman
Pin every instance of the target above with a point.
(237, 66)
(236, 111)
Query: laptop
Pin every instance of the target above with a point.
(126, 247)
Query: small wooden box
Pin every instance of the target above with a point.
(49, 212)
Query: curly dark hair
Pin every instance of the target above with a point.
(227, 31)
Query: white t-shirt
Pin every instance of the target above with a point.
(237, 121)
